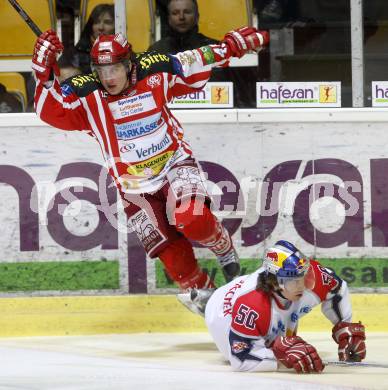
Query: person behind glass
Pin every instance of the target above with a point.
(67, 65)
(8, 101)
(101, 22)
(271, 11)
(183, 34)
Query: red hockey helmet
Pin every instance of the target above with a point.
(110, 49)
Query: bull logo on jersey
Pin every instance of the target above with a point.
(239, 346)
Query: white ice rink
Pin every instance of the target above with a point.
(183, 361)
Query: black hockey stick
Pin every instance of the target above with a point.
(26, 18)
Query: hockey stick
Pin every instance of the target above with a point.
(354, 364)
(351, 364)
(26, 18)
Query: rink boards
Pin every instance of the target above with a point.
(316, 177)
(59, 316)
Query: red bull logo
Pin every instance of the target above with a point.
(273, 256)
(277, 258)
(302, 262)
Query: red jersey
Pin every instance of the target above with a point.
(139, 137)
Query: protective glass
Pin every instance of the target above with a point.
(298, 284)
(109, 72)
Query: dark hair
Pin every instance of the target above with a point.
(193, 1)
(68, 58)
(267, 282)
(95, 14)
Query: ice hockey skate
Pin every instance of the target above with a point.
(196, 299)
(230, 264)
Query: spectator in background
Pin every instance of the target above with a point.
(101, 22)
(67, 65)
(182, 30)
(76, 59)
(66, 10)
(9, 102)
(183, 34)
(271, 11)
(161, 9)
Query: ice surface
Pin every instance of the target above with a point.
(184, 361)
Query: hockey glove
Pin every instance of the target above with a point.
(294, 352)
(244, 39)
(44, 58)
(350, 339)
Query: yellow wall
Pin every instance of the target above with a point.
(39, 316)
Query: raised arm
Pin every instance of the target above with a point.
(192, 68)
(57, 107)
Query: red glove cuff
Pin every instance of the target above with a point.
(344, 330)
(350, 338)
(44, 57)
(244, 39)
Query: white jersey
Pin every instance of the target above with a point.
(244, 322)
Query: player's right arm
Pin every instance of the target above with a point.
(54, 105)
(250, 321)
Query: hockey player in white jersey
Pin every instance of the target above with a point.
(253, 319)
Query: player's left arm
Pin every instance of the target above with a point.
(336, 306)
(191, 69)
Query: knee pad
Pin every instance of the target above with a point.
(195, 221)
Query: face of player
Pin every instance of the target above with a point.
(293, 289)
(114, 78)
(104, 25)
(182, 15)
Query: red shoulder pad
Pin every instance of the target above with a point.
(325, 280)
(251, 314)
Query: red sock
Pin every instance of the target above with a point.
(182, 267)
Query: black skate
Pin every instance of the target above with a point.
(230, 264)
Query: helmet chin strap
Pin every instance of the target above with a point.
(132, 73)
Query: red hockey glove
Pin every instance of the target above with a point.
(45, 55)
(244, 39)
(350, 338)
(295, 353)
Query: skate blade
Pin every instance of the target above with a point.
(185, 300)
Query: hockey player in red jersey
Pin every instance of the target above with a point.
(253, 319)
(123, 105)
